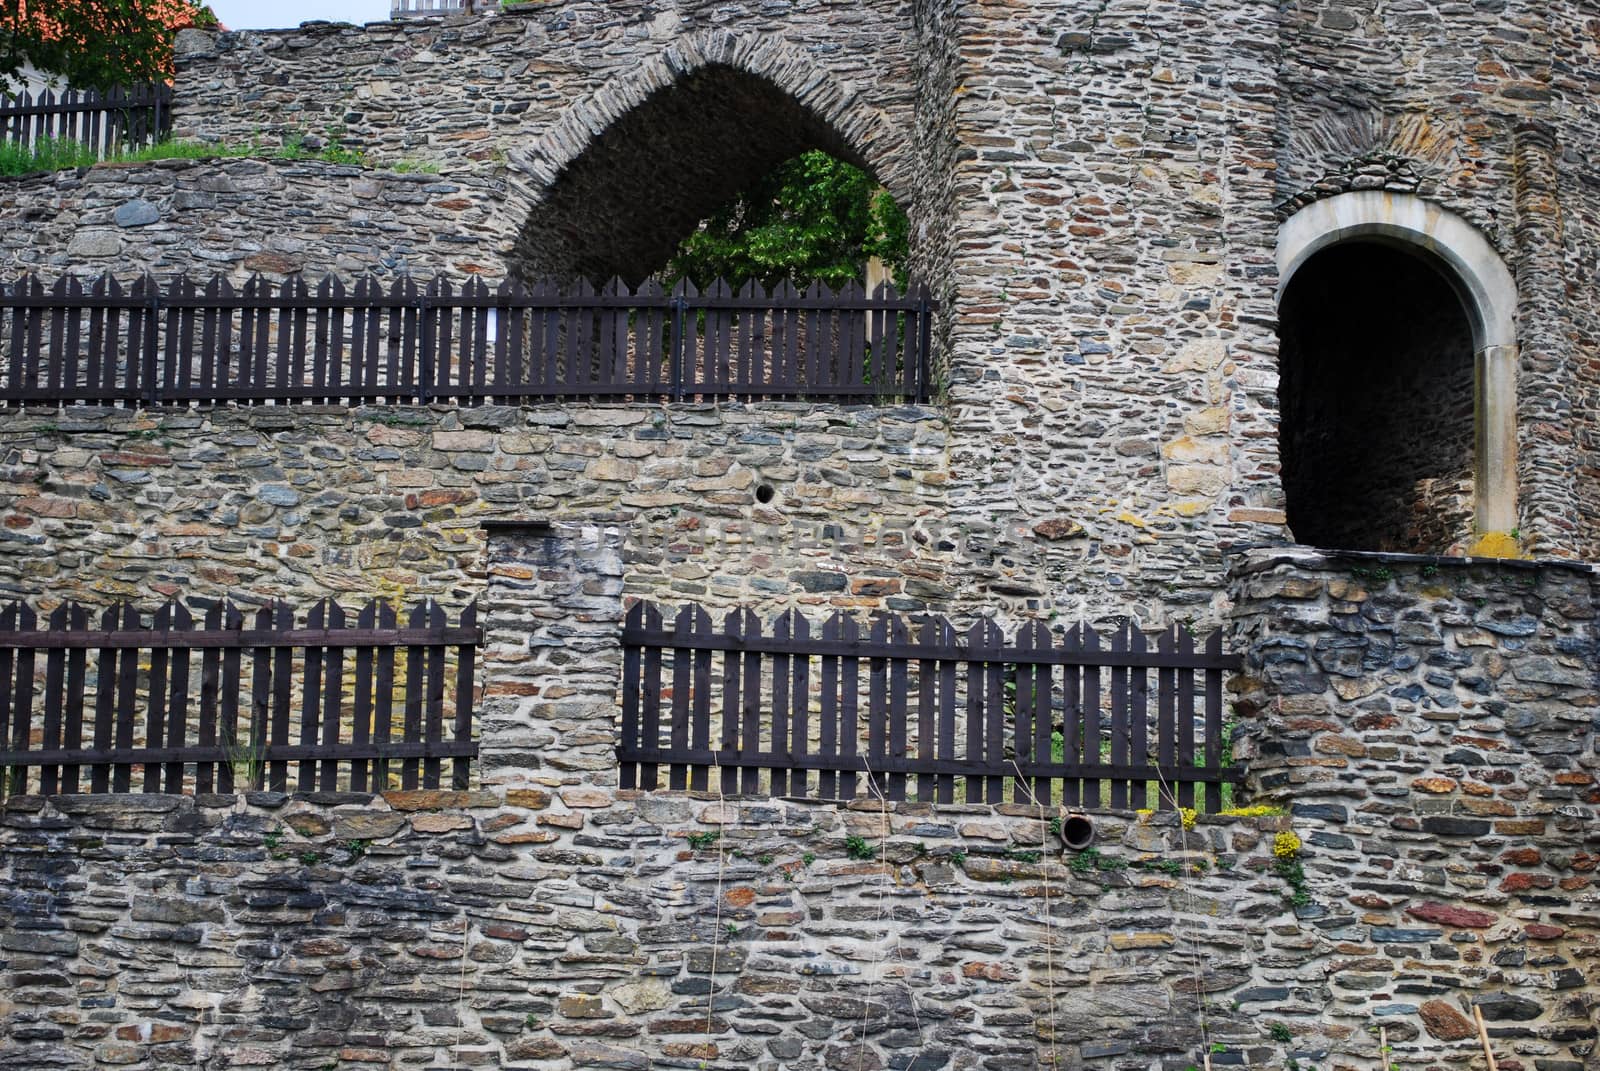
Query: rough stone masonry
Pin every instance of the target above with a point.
(1428, 730)
(1095, 195)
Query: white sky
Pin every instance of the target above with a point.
(275, 14)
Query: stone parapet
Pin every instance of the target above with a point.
(1431, 725)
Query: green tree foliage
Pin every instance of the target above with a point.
(813, 217)
(94, 44)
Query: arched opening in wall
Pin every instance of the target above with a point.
(683, 160)
(1376, 397)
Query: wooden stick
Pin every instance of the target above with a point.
(1383, 1047)
(1483, 1036)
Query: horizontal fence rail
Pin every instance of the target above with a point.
(144, 343)
(841, 711)
(102, 701)
(119, 118)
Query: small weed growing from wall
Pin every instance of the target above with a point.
(1286, 864)
(858, 848)
(702, 841)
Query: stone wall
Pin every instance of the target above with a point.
(302, 502)
(1096, 209)
(242, 216)
(1432, 726)
(568, 926)
(1428, 725)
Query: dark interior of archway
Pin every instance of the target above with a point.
(622, 207)
(1376, 402)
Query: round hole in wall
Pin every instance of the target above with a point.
(765, 493)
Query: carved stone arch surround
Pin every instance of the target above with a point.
(1487, 291)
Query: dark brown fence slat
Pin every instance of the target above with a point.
(1092, 678)
(1166, 713)
(210, 664)
(1138, 716)
(899, 685)
(700, 728)
(800, 697)
(311, 684)
(156, 719)
(1119, 716)
(77, 665)
(944, 635)
(238, 765)
(781, 679)
(1214, 728)
(1185, 716)
(632, 663)
(878, 709)
(650, 727)
(750, 707)
(732, 695)
(466, 693)
(1072, 715)
(433, 729)
(127, 701)
(828, 729)
(332, 702)
(383, 699)
(849, 720)
(177, 698)
(8, 658)
(282, 698)
(361, 700)
(55, 684)
(682, 668)
(411, 727)
(995, 712)
(975, 696)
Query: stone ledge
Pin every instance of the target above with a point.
(1243, 560)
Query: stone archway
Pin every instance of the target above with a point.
(630, 170)
(1467, 266)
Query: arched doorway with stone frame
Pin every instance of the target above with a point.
(1397, 384)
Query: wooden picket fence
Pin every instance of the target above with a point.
(142, 343)
(103, 702)
(105, 121)
(844, 712)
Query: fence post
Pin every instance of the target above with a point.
(680, 306)
(152, 318)
(425, 328)
(552, 654)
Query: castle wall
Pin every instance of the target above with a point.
(238, 217)
(301, 502)
(1429, 726)
(1096, 209)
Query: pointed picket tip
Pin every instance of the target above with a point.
(650, 288)
(685, 288)
(634, 618)
(615, 287)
